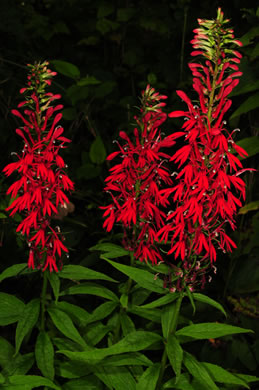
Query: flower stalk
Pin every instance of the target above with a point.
(39, 192)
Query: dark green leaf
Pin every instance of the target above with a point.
(12, 271)
(148, 379)
(26, 322)
(102, 311)
(117, 378)
(66, 68)
(96, 332)
(90, 382)
(78, 314)
(198, 371)
(133, 342)
(249, 207)
(127, 325)
(97, 151)
(127, 359)
(209, 330)
(221, 375)
(189, 295)
(166, 319)
(18, 365)
(88, 80)
(65, 325)
(170, 297)
(203, 298)
(111, 251)
(44, 353)
(249, 104)
(55, 284)
(32, 381)
(91, 289)
(11, 309)
(175, 354)
(78, 272)
(250, 144)
(150, 314)
(184, 383)
(143, 278)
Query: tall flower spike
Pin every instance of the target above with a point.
(208, 189)
(134, 184)
(39, 191)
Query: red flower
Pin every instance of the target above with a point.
(208, 178)
(42, 182)
(135, 183)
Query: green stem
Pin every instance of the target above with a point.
(172, 330)
(43, 300)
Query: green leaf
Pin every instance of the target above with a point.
(91, 289)
(32, 381)
(55, 284)
(133, 342)
(117, 378)
(198, 371)
(27, 322)
(44, 353)
(88, 80)
(104, 10)
(77, 313)
(148, 379)
(250, 144)
(248, 105)
(96, 332)
(203, 298)
(249, 207)
(97, 151)
(221, 375)
(19, 365)
(66, 68)
(11, 365)
(12, 271)
(209, 330)
(175, 354)
(183, 383)
(166, 319)
(247, 378)
(78, 272)
(150, 314)
(102, 311)
(125, 14)
(189, 295)
(112, 251)
(90, 382)
(170, 297)
(127, 359)
(127, 325)
(143, 278)
(11, 309)
(65, 325)
(70, 370)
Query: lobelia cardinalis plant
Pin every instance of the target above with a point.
(39, 191)
(135, 183)
(208, 190)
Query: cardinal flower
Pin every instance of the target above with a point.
(208, 190)
(135, 182)
(42, 178)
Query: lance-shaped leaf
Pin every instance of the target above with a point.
(27, 321)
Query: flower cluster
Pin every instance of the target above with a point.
(135, 183)
(208, 189)
(39, 191)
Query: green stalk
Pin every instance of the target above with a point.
(172, 330)
(43, 300)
